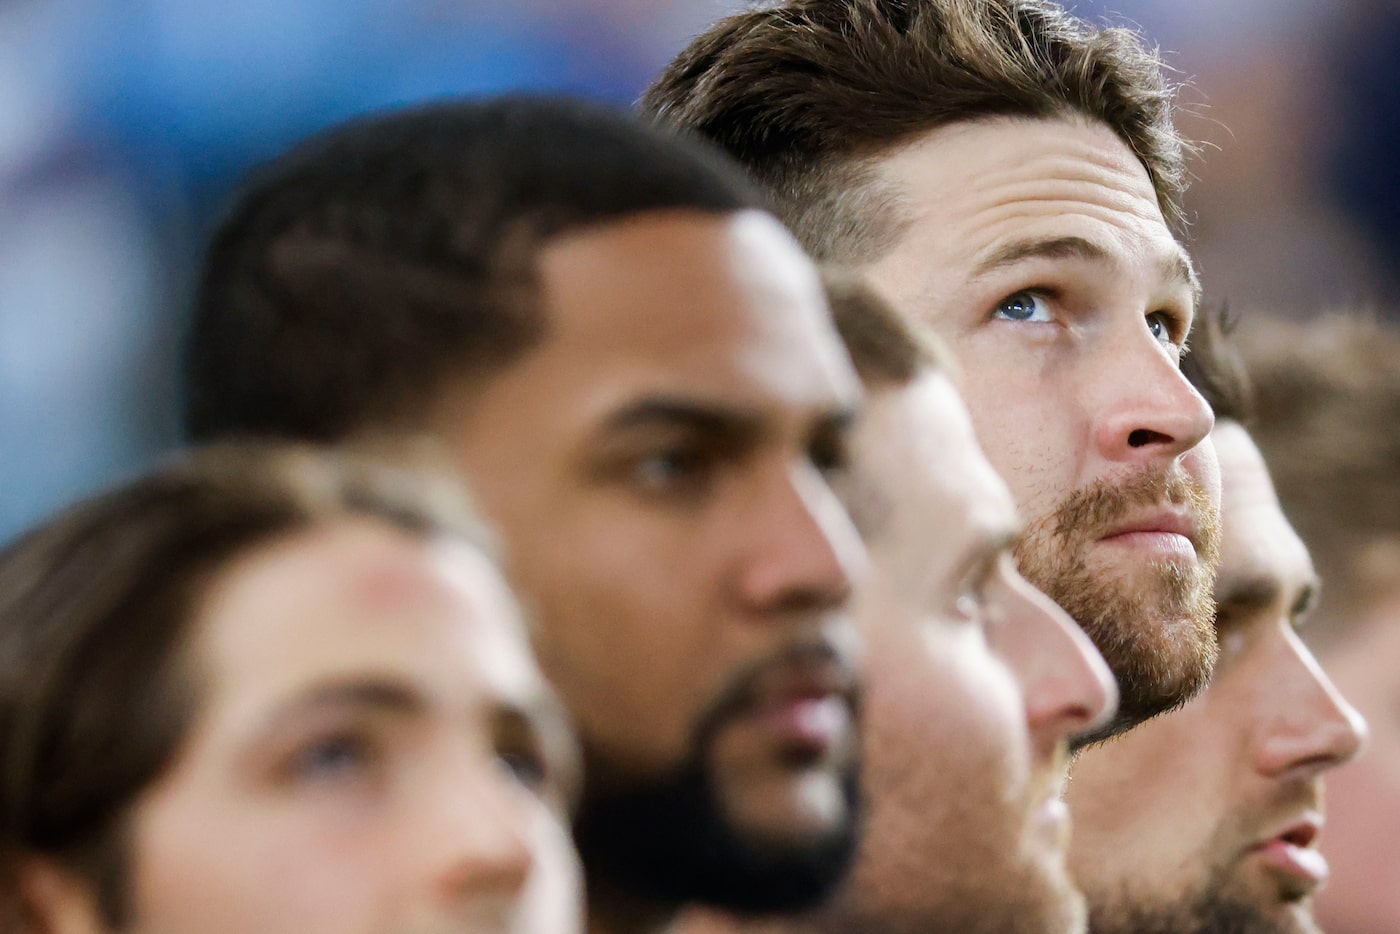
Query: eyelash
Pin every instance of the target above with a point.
(1044, 294)
(353, 754)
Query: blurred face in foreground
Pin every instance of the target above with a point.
(1208, 819)
(658, 466)
(373, 751)
(1037, 249)
(976, 682)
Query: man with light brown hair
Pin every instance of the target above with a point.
(1009, 174)
(1328, 399)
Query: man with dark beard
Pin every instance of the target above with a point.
(1009, 174)
(637, 372)
(1207, 820)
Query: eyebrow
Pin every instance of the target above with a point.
(995, 541)
(1256, 593)
(375, 693)
(713, 419)
(1176, 268)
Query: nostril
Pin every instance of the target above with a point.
(1145, 436)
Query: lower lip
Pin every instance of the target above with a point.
(1305, 866)
(813, 721)
(1167, 544)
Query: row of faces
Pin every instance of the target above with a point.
(376, 745)
(667, 487)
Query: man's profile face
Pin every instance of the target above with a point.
(657, 466)
(1038, 251)
(1364, 798)
(976, 682)
(373, 750)
(1208, 818)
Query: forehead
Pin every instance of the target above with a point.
(728, 301)
(915, 448)
(1257, 540)
(989, 183)
(357, 597)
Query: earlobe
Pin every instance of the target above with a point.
(48, 899)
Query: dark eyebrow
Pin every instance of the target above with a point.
(1260, 592)
(1248, 594)
(1176, 268)
(994, 542)
(691, 415)
(714, 419)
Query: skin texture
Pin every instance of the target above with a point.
(657, 467)
(976, 682)
(1363, 801)
(374, 751)
(1037, 250)
(1178, 823)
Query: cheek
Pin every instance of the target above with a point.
(1173, 802)
(1026, 428)
(264, 870)
(945, 739)
(631, 632)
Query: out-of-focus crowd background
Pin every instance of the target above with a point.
(126, 124)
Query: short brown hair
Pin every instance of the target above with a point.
(805, 93)
(886, 346)
(95, 698)
(1328, 424)
(384, 260)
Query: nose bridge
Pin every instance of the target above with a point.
(1142, 406)
(478, 823)
(802, 547)
(1308, 727)
(1067, 686)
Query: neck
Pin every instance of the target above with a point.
(613, 912)
(704, 921)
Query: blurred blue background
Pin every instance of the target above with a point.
(124, 125)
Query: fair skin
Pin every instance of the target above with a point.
(374, 751)
(976, 682)
(1225, 837)
(1364, 798)
(1037, 249)
(658, 468)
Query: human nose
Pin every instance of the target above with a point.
(1067, 686)
(1146, 409)
(802, 551)
(1309, 727)
(479, 838)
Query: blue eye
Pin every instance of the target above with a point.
(1023, 306)
(1159, 324)
(333, 757)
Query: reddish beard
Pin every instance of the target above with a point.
(1153, 622)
